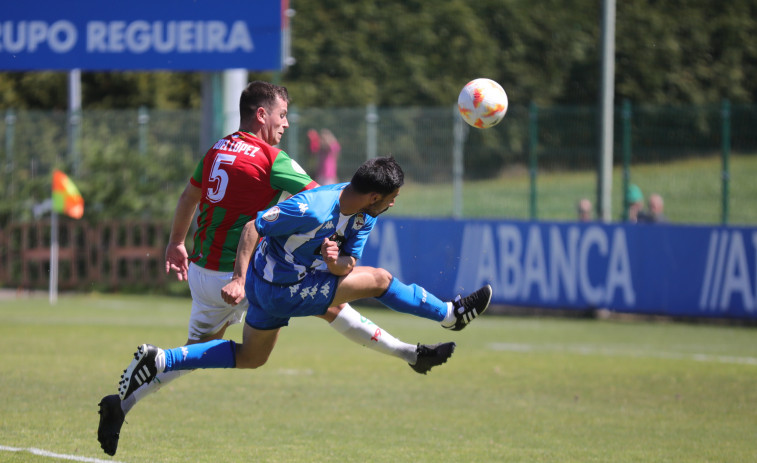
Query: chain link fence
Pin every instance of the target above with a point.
(536, 164)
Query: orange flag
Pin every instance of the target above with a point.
(66, 197)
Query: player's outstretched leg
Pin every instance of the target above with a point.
(140, 371)
(465, 309)
(431, 356)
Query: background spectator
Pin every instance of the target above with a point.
(326, 148)
(584, 209)
(654, 212)
(635, 199)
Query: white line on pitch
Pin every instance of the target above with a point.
(60, 456)
(619, 351)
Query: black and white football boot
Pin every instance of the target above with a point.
(466, 309)
(140, 371)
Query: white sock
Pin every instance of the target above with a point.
(450, 319)
(359, 329)
(146, 389)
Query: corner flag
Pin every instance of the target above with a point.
(66, 197)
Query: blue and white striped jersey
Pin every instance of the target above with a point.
(294, 230)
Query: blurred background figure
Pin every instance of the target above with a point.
(584, 210)
(654, 212)
(635, 200)
(314, 142)
(326, 148)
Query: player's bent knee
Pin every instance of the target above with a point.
(251, 362)
(255, 359)
(383, 278)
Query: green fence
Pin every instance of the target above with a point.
(534, 165)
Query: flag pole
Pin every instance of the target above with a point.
(53, 257)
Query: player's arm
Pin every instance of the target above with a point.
(233, 292)
(287, 175)
(341, 261)
(338, 264)
(176, 251)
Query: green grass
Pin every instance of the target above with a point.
(691, 189)
(516, 390)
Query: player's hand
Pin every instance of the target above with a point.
(176, 260)
(329, 251)
(233, 292)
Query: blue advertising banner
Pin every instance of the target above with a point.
(651, 269)
(190, 35)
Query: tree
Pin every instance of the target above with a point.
(420, 53)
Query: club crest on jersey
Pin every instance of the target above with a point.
(359, 221)
(271, 214)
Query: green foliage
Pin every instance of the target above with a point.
(119, 180)
(164, 90)
(420, 53)
(686, 52)
(101, 90)
(123, 168)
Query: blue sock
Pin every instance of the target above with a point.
(218, 353)
(414, 300)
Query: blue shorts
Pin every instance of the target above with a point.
(271, 305)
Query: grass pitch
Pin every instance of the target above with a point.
(516, 390)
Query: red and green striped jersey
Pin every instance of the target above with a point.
(239, 176)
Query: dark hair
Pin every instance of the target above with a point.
(257, 94)
(378, 175)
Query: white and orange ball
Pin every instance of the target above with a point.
(482, 103)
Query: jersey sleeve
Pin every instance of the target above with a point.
(287, 175)
(196, 178)
(356, 242)
(286, 218)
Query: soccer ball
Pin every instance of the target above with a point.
(482, 103)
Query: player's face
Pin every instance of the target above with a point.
(382, 203)
(275, 122)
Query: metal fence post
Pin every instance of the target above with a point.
(726, 148)
(293, 133)
(143, 119)
(74, 116)
(371, 131)
(459, 131)
(74, 133)
(626, 115)
(533, 143)
(10, 130)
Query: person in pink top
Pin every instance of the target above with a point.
(326, 147)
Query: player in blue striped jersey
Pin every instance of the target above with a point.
(306, 263)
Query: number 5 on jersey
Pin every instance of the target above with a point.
(220, 177)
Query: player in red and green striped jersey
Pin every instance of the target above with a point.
(242, 174)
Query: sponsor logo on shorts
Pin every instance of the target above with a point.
(293, 289)
(326, 289)
(309, 291)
